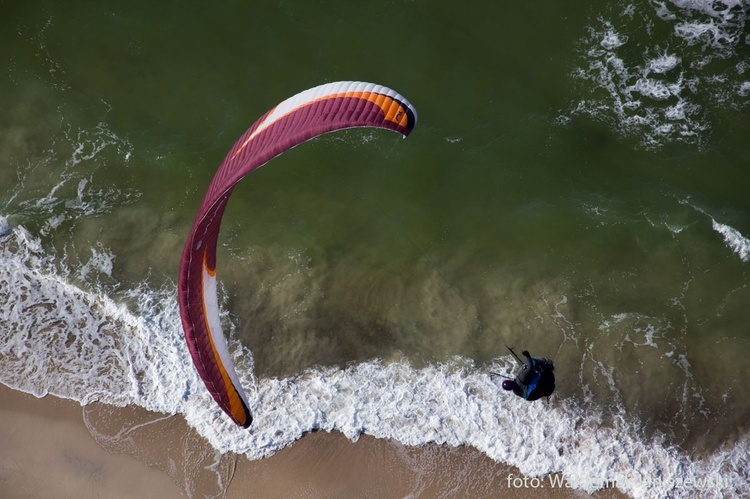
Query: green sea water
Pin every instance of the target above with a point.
(551, 196)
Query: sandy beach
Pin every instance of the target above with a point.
(47, 450)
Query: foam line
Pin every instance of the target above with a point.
(88, 347)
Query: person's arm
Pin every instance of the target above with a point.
(528, 358)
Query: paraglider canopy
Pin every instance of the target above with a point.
(313, 112)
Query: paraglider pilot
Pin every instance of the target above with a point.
(535, 380)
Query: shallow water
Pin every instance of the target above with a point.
(584, 198)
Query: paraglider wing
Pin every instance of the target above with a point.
(326, 108)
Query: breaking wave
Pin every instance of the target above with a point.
(60, 339)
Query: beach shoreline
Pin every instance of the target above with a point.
(48, 448)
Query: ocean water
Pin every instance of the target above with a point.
(577, 186)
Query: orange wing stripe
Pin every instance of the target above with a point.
(235, 403)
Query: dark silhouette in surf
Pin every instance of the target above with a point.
(535, 380)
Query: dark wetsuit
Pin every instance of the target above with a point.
(536, 379)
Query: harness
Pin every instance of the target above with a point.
(530, 376)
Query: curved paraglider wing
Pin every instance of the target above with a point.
(326, 108)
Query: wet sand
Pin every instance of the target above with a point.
(47, 450)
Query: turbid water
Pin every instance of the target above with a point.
(576, 186)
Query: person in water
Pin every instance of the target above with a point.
(536, 379)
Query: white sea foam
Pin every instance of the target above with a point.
(4, 226)
(61, 339)
(644, 330)
(58, 186)
(733, 239)
(662, 91)
(663, 63)
(611, 39)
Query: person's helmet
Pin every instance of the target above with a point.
(508, 384)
